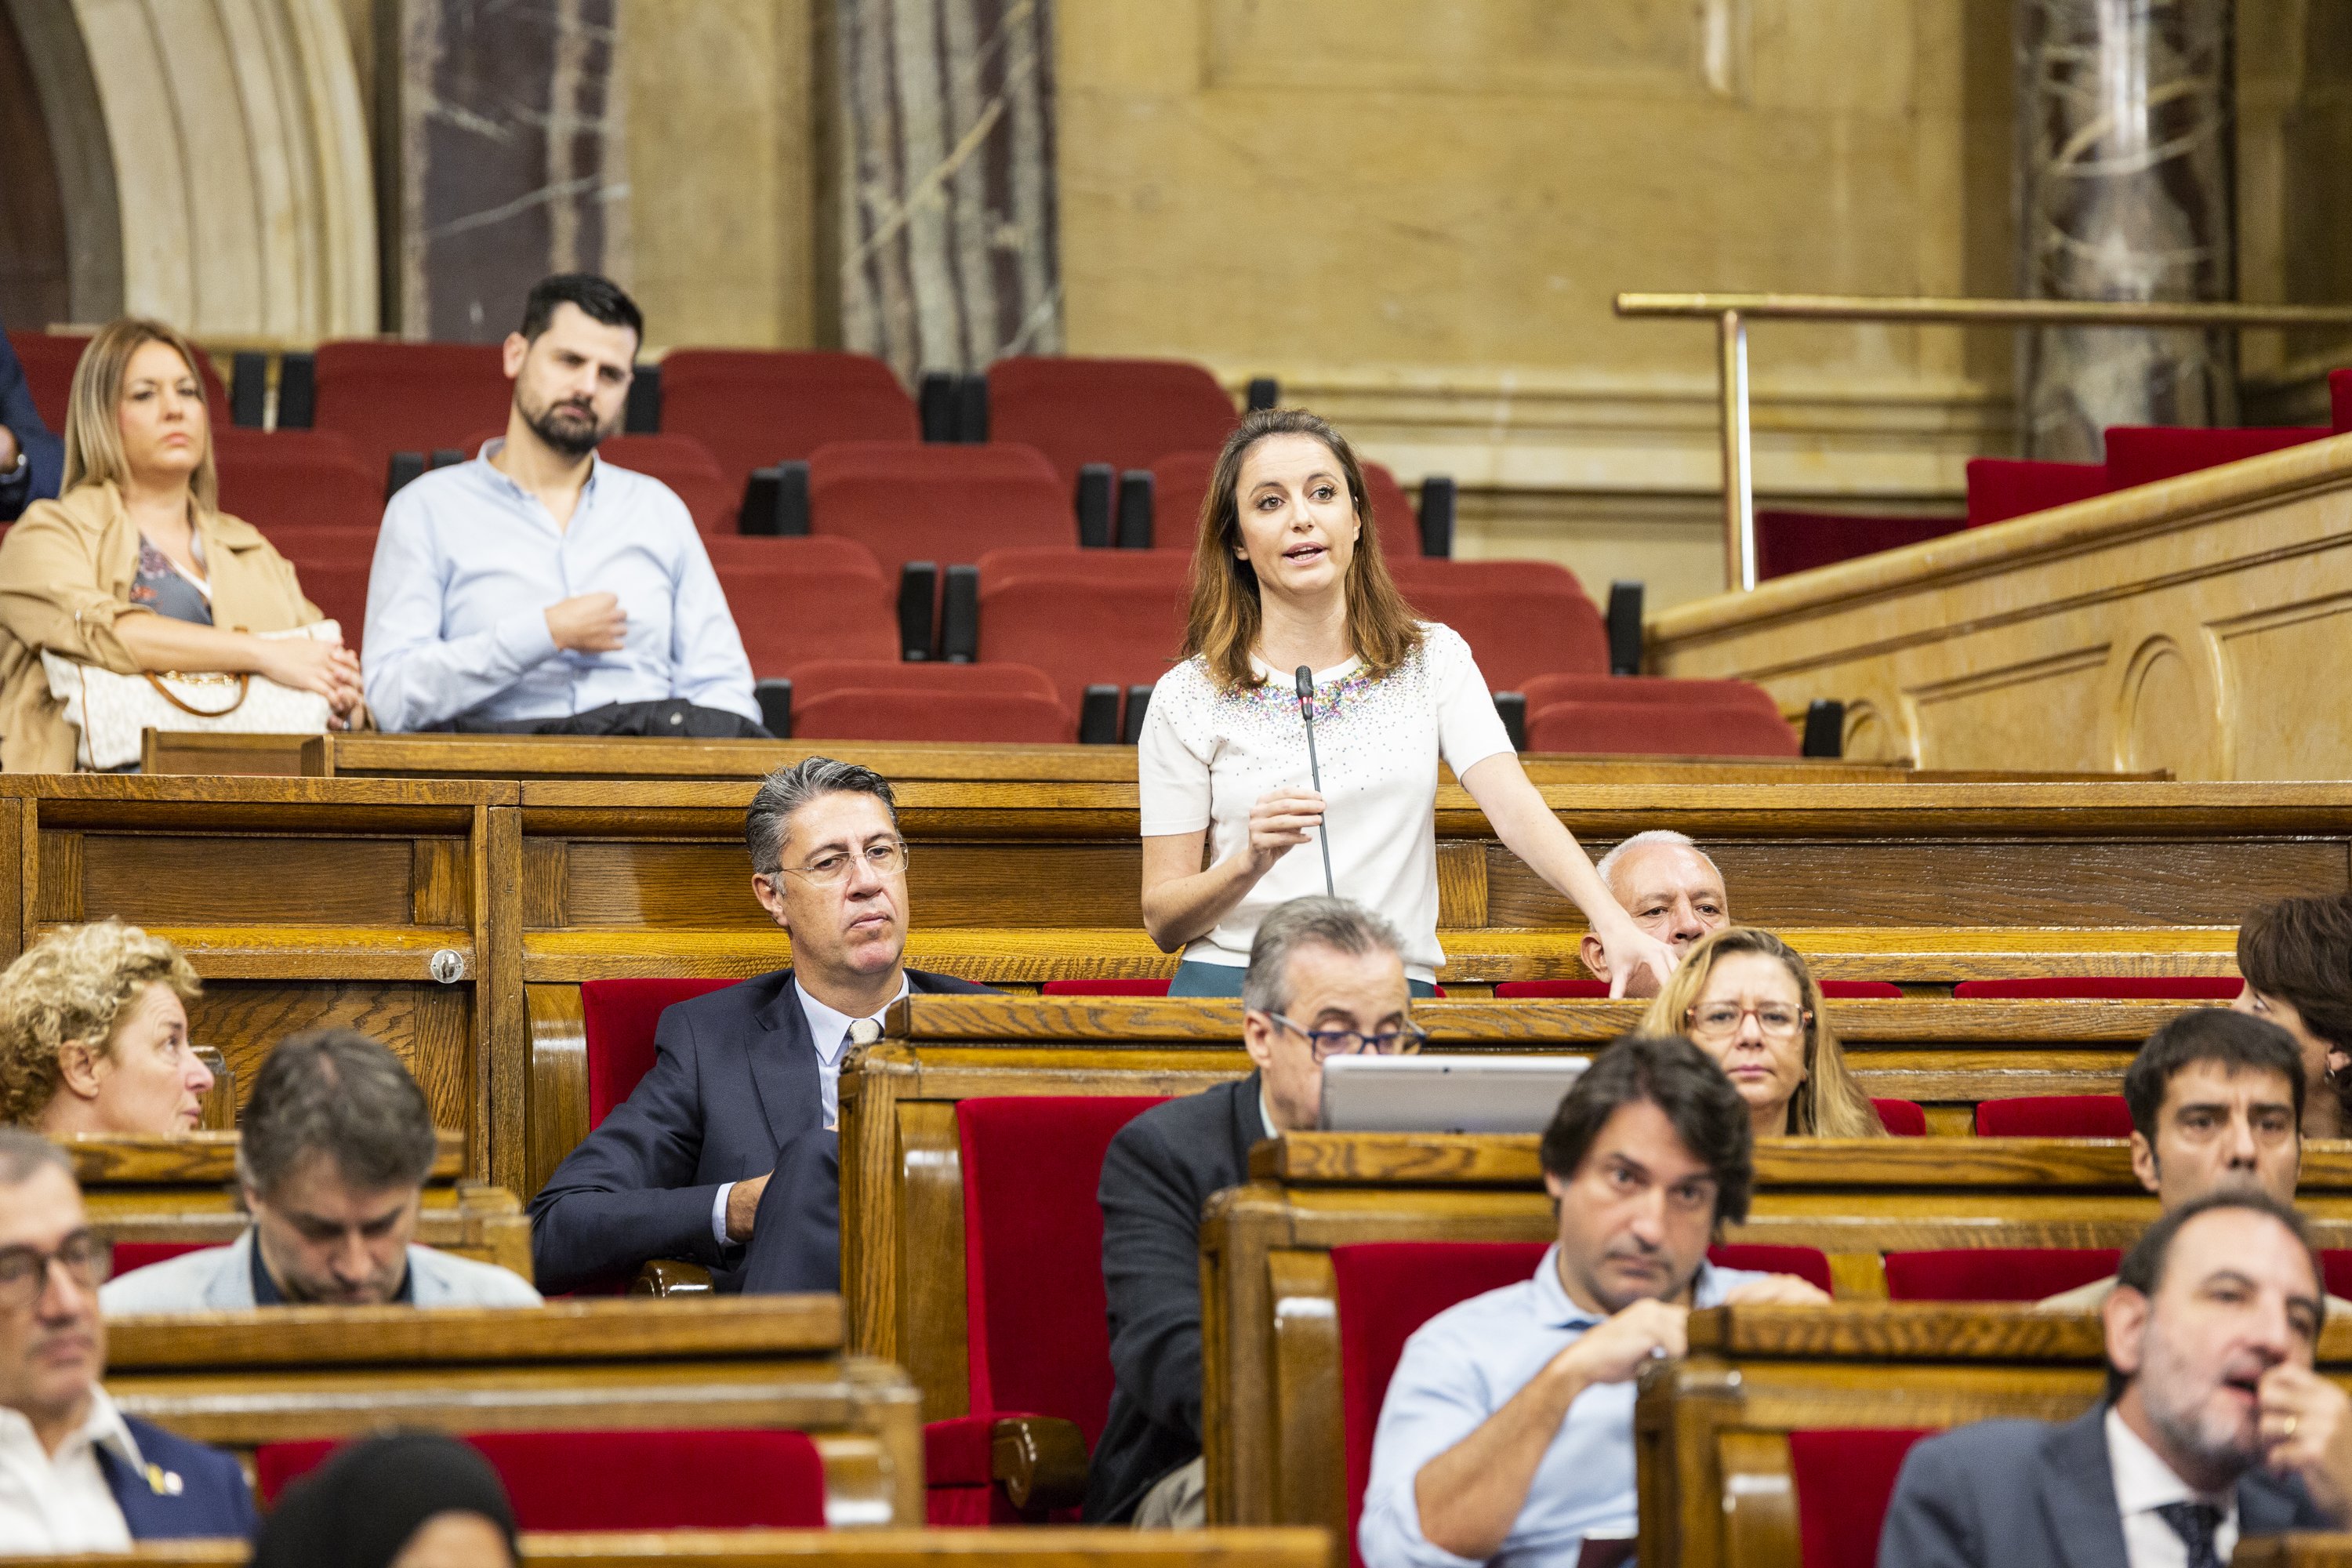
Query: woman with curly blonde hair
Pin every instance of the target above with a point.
(1745, 998)
(94, 1034)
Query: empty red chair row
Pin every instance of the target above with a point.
(1655, 715)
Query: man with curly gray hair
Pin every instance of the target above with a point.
(94, 1034)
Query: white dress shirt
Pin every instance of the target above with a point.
(2144, 1483)
(830, 1032)
(59, 1502)
(467, 562)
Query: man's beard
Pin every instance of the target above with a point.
(2189, 1428)
(572, 438)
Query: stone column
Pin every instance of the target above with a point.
(2125, 191)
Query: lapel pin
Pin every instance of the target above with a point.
(164, 1482)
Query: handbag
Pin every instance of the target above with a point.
(109, 711)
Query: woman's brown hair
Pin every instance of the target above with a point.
(93, 434)
(1829, 1103)
(72, 984)
(1226, 616)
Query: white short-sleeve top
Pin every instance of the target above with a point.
(1207, 755)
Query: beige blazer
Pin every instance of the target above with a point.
(66, 571)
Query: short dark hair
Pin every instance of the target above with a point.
(338, 1093)
(599, 298)
(2300, 950)
(2238, 1042)
(1681, 1081)
(769, 822)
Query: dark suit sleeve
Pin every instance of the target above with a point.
(1152, 1275)
(237, 1496)
(44, 452)
(623, 1196)
(1931, 1521)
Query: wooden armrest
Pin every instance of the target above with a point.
(668, 1276)
(1040, 1460)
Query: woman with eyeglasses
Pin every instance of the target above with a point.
(94, 1035)
(1745, 998)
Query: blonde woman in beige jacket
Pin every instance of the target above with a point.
(133, 567)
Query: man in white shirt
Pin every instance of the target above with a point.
(76, 1474)
(1670, 887)
(2215, 1426)
(539, 588)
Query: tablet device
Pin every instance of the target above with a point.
(1453, 1093)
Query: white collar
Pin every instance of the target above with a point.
(103, 1427)
(2144, 1481)
(828, 1029)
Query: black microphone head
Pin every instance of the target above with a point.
(1305, 679)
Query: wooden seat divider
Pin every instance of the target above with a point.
(284, 1373)
(2299, 1550)
(1711, 1431)
(1270, 1325)
(184, 1190)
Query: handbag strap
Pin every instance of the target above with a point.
(244, 685)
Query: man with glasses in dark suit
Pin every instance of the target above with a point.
(1326, 977)
(726, 1154)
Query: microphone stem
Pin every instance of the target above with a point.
(1315, 773)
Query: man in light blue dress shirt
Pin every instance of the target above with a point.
(537, 583)
(1508, 1433)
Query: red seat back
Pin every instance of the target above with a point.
(728, 1479)
(1901, 1118)
(2335, 1267)
(2054, 1116)
(1656, 716)
(131, 1254)
(1085, 618)
(913, 501)
(390, 397)
(798, 600)
(1810, 1264)
(753, 408)
(687, 466)
(1996, 1273)
(1128, 413)
(304, 479)
(1037, 1331)
(2003, 487)
(1844, 1480)
(985, 718)
(617, 1019)
(2105, 987)
(49, 359)
(2339, 400)
(2143, 454)
(1789, 541)
(1113, 988)
(1521, 618)
(821, 677)
(1550, 990)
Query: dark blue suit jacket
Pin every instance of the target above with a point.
(48, 454)
(213, 1499)
(734, 1081)
(2012, 1492)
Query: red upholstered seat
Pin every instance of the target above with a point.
(2054, 1116)
(1550, 990)
(727, 1480)
(49, 359)
(617, 1019)
(913, 501)
(1084, 616)
(135, 1254)
(1996, 1273)
(883, 700)
(1901, 1118)
(2108, 987)
(1521, 618)
(753, 408)
(2142, 454)
(2339, 402)
(1124, 412)
(686, 466)
(1789, 541)
(799, 600)
(1113, 988)
(1038, 1335)
(1810, 1264)
(1844, 1480)
(388, 397)
(303, 479)
(1655, 716)
(2335, 1267)
(2003, 487)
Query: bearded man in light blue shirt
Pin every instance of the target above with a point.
(1508, 1433)
(538, 587)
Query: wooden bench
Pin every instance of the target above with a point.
(1271, 1330)
(1711, 1431)
(284, 1373)
(2298, 1551)
(184, 1190)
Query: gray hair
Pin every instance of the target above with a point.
(338, 1093)
(25, 1153)
(770, 820)
(1319, 920)
(1608, 863)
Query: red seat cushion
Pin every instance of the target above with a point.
(2054, 1116)
(1789, 541)
(2143, 454)
(132, 1255)
(1901, 1118)
(387, 397)
(1529, 990)
(1115, 988)
(914, 500)
(687, 466)
(1085, 618)
(1862, 990)
(1810, 1264)
(755, 407)
(304, 479)
(617, 1021)
(1996, 1273)
(1667, 729)
(1522, 619)
(1128, 413)
(1844, 1480)
(980, 718)
(726, 1479)
(2003, 487)
(2111, 987)
(2335, 1267)
(796, 601)
(2339, 400)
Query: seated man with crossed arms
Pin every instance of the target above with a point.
(1671, 889)
(1508, 1427)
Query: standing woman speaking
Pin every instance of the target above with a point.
(1288, 573)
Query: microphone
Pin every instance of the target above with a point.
(1306, 679)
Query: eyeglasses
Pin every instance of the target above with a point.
(1328, 1043)
(24, 1271)
(886, 857)
(1711, 1021)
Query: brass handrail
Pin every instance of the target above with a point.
(1732, 312)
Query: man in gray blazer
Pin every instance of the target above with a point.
(332, 1154)
(2215, 1426)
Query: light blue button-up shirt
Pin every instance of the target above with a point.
(467, 564)
(1465, 1364)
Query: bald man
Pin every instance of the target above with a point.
(1672, 890)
